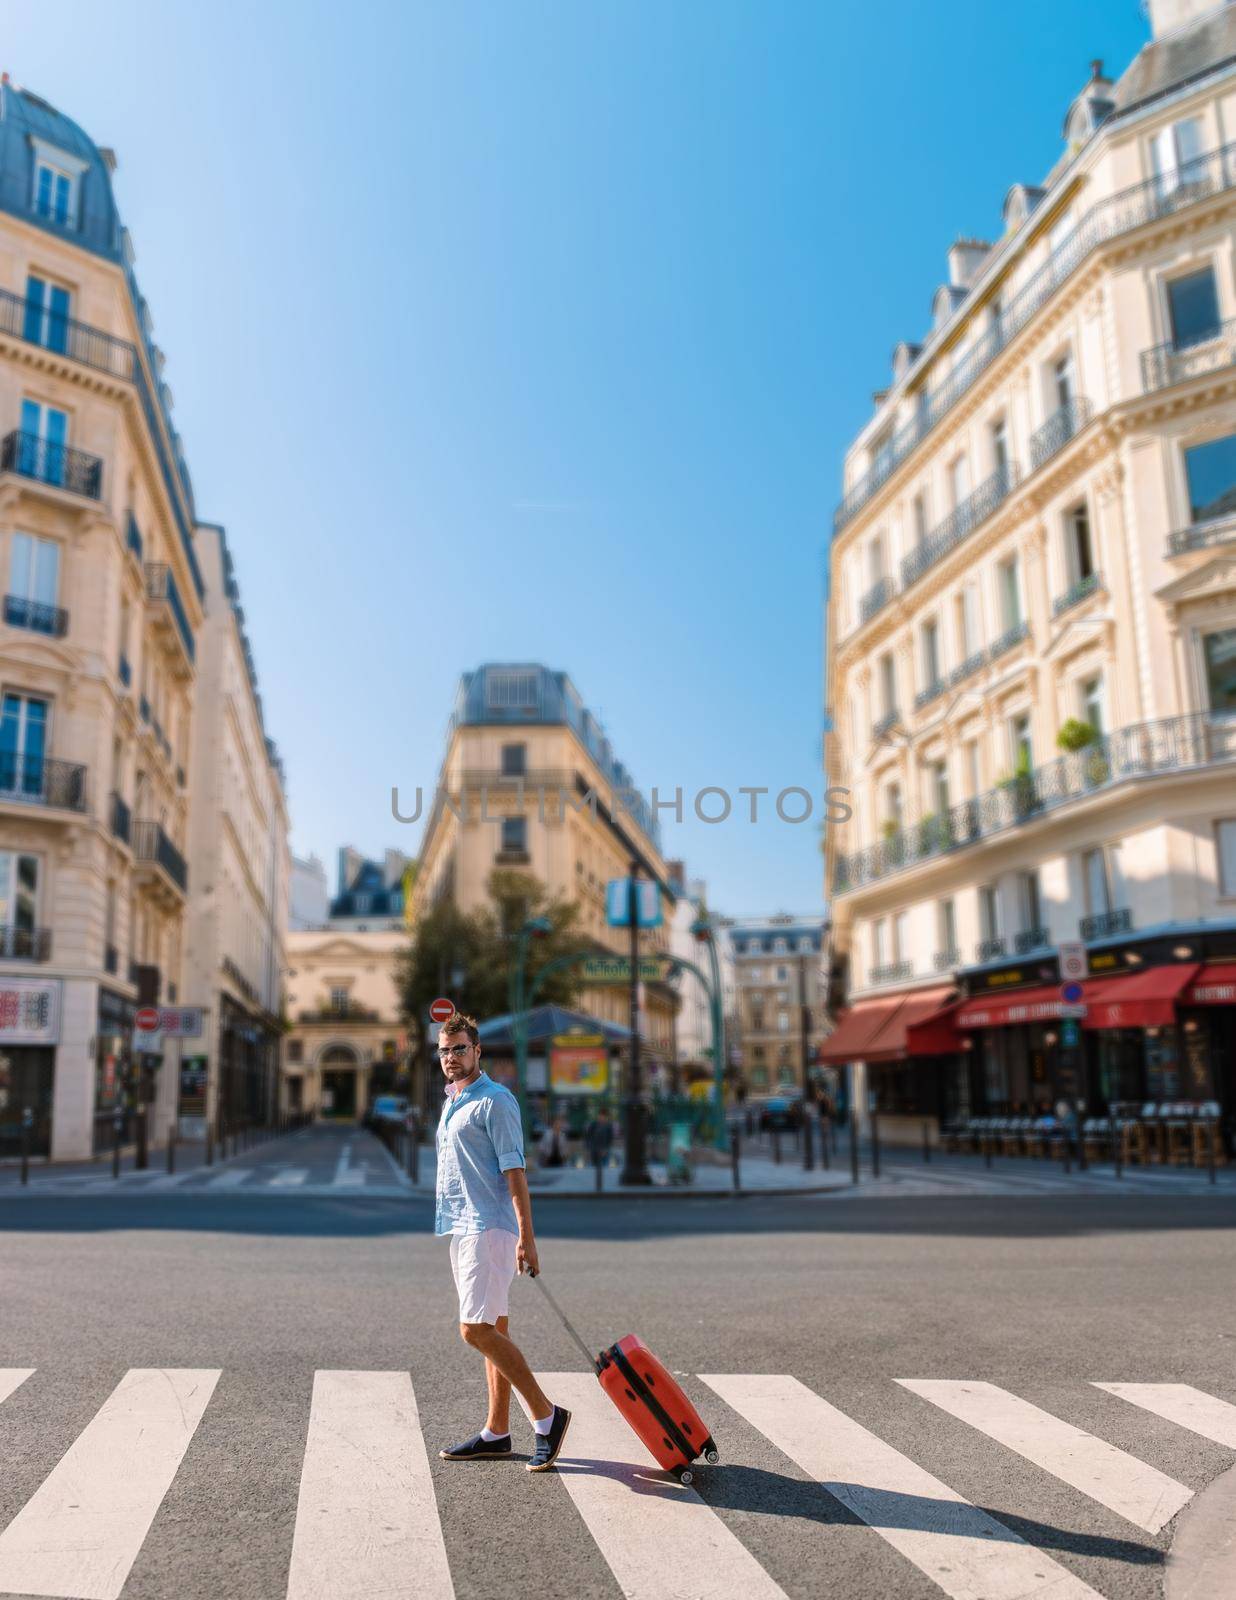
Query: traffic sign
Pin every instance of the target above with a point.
(1073, 964)
(1070, 1033)
(147, 1020)
(1071, 1011)
(618, 903)
(1072, 992)
(441, 1009)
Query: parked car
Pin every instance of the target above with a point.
(387, 1109)
(780, 1112)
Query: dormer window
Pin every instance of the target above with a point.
(57, 178)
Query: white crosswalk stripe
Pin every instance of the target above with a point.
(80, 1532)
(1183, 1404)
(290, 1178)
(1119, 1481)
(960, 1547)
(232, 1179)
(366, 1518)
(12, 1378)
(659, 1539)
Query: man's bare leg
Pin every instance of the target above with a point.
(499, 1417)
(508, 1358)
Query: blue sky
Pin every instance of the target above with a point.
(537, 332)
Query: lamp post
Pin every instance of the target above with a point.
(635, 1169)
(534, 927)
(703, 932)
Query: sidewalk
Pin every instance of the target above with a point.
(189, 1156)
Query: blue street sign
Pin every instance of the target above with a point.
(618, 903)
(1071, 993)
(1070, 1033)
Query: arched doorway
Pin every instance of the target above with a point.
(338, 1065)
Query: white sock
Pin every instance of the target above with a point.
(545, 1424)
(489, 1436)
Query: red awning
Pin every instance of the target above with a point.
(1007, 1010)
(1138, 999)
(892, 1043)
(935, 1034)
(1215, 985)
(857, 1028)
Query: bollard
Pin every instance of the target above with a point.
(1117, 1152)
(27, 1121)
(824, 1142)
(875, 1145)
(734, 1154)
(987, 1151)
(1212, 1135)
(117, 1124)
(171, 1148)
(210, 1142)
(776, 1137)
(853, 1148)
(808, 1154)
(142, 1155)
(926, 1143)
(1066, 1150)
(598, 1161)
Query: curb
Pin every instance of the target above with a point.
(1201, 1564)
(658, 1193)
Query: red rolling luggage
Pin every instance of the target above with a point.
(652, 1403)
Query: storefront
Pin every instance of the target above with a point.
(113, 1069)
(248, 1067)
(29, 1033)
(905, 1057)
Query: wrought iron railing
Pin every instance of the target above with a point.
(946, 960)
(1167, 364)
(886, 723)
(47, 462)
(1031, 939)
(892, 972)
(33, 614)
(121, 817)
(42, 781)
(1142, 750)
(24, 944)
(876, 598)
(161, 585)
(931, 692)
(1219, 530)
(37, 324)
(960, 522)
(967, 668)
(1104, 923)
(1059, 428)
(1107, 219)
(1009, 639)
(1076, 593)
(990, 949)
(150, 843)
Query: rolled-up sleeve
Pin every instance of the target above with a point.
(506, 1131)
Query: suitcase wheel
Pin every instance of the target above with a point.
(686, 1476)
(712, 1456)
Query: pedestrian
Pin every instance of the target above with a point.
(483, 1204)
(599, 1137)
(552, 1149)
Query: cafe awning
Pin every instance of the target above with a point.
(1007, 1010)
(914, 1016)
(1144, 999)
(856, 1030)
(1214, 985)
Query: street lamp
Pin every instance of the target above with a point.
(702, 932)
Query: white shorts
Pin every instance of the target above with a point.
(483, 1265)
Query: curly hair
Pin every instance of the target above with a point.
(457, 1022)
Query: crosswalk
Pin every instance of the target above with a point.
(367, 1521)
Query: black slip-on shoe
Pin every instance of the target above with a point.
(478, 1449)
(549, 1444)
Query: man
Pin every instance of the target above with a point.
(483, 1204)
(600, 1137)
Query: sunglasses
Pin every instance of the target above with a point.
(453, 1050)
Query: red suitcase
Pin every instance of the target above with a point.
(652, 1403)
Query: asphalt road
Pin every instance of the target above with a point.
(813, 1302)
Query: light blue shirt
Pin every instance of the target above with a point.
(480, 1137)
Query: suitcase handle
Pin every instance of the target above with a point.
(562, 1317)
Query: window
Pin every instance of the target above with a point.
(1079, 551)
(512, 691)
(1092, 699)
(54, 191)
(881, 451)
(781, 974)
(973, 768)
(1021, 748)
(1211, 472)
(888, 683)
(1177, 155)
(19, 902)
(1063, 385)
(901, 936)
(1098, 884)
(756, 973)
(1193, 308)
(892, 805)
(1031, 901)
(918, 516)
(515, 834)
(514, 760)
(937, 786)
(339, 1001)
(46, 318)
(44, 436)
(875, 560)
(33, 570)
(779, 948)
(967, 622)
(804, 946)
(1225, 836)
(1009, 580)
(1219, 655)
(946, 926)
(23, 743)
(877, 942)
(783, 1022)
(1000, 444)
(296, 1050)
(930, 636)
(959, 479)
(989, 912)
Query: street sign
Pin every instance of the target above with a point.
(617, 969)
(173, 1022)
(1071, 992)
(618, 903)
(441, 1009)
(1073, 964)
(147, 1020)
(1070, 1033)
(1071, 1011)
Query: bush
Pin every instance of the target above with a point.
(1076, 735)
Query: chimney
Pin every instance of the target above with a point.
(964, 260)
(1169, 16)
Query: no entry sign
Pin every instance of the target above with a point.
(440, 1010)
(147, 1019)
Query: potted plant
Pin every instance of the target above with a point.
(1019, 784)
(1075, 737)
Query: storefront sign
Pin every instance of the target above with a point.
(29, 1011)
(578, 1064)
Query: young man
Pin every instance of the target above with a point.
(483, 1204)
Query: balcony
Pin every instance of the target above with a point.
(886, 723)
(967, 668)
(1105, 923)
(40, 781)
(1009, 640)
(32, 321)
(1076, 593)
(1203, 536)
(959, 523)
(1031, 939)
(1141, 751)
(1168, 364)
(54, 464)
(352, 1012)
(990, 950)
(1107, 219)
(892, 972)
(946, 960)
(876, 598)
(22, 613)
(24, 944)
(151, 844)
(1059, 428)
(933, 691)
(161, 590)
(121, 818)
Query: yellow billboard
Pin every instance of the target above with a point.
(578, 1064)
